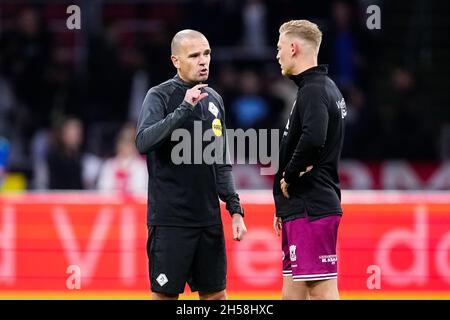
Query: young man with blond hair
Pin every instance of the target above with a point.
(306, 187)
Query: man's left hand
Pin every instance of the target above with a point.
(284, 187)
(238, 226)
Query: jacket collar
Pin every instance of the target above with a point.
(185, 84)
(299, 79)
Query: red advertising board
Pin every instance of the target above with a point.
(391, 245)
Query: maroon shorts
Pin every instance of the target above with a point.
(309, 248)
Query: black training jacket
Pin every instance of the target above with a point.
(185, 194)
(313, 136)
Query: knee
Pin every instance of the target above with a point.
(288, 296)
(163, 296)
(293, 290)
(294, 296)
(220, 295)
(330, 295)
(324, 290)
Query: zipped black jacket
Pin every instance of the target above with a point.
(184, 194)
(313, 136)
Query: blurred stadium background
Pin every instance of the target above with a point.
(73, 188)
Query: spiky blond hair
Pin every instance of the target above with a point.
(305, 30)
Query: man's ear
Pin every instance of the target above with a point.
(175, 61)
(295, 48)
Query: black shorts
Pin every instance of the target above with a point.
(194, 255)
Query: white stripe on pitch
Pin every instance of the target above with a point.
(311, 279)
(315, 275)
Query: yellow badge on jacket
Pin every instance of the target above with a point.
(217, 127)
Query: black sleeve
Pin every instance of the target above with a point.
(313, 132)
(153, 126)
(224, 176)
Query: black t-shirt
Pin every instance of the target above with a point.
(64, 170)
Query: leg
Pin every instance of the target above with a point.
(219, 295)
(209, 270)
(163, 296)
(170, 251)
(294, 290)
(323, 289)
(312, 250)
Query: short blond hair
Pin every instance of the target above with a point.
(304, 29)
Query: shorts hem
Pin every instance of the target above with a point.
(167, 292)
(313, 279)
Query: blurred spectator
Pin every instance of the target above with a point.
(255, 25)
(24, 59)
(60, 89)
(67, 166)
(39, 152)
(64, 158)
(127, 171)
(156, 52)
(140, 83)
(342, 45)
(24, 56)
(108, 90)
(227, 86)
(4, 153)
(254, 108)
(220, 20)
(6, 105)
(359, 125)
(403, 133)
(282, 91)
(13, 127)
